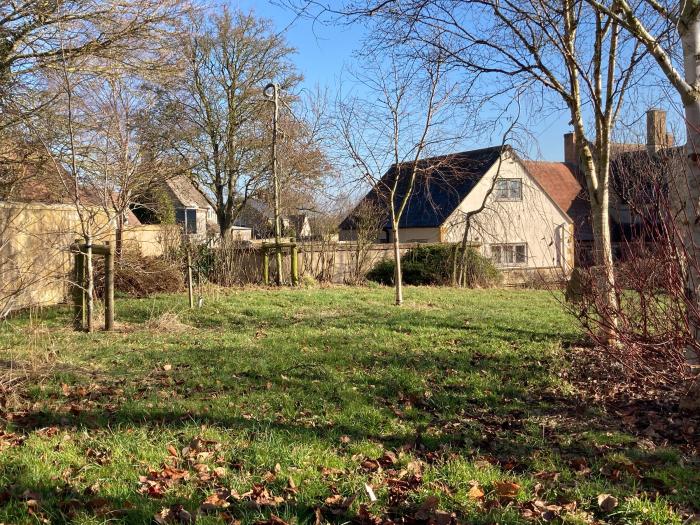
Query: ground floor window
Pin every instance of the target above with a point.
(188, 218)
(509, 254)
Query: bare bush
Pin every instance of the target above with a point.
(139, 276)
(652, 320)
(230, 263)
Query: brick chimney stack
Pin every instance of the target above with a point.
(570, 152)
(656, 130)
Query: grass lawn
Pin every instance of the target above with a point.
(452, 408)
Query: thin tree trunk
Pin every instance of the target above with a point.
(597, 183)
(90, 285)
(463, 251)
(690, 37)
(398, 278)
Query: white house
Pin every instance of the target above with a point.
(518, 223)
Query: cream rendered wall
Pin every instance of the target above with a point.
(535, 220)
(35, 259)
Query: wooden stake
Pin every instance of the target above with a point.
(295, 265)
(78, 288)
(89, 287)
(266, 267)
(190, 289)
(109, 285)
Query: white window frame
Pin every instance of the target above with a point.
(508, 193)
(506, 254)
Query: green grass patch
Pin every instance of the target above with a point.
(305, 396)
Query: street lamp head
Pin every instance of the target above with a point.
(269, 90)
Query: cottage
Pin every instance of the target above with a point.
(259, 217)
(192, 210)
(491, 196)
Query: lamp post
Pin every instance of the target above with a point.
(271, 92)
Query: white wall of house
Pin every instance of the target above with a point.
(504, 226)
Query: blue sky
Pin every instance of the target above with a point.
(323, 53)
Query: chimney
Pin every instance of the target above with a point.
(570, 152)
(656, 130)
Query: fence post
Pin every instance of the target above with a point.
(455, 253)
(190, 290)
(295, 265)
(109, 285)
(266, 267)
(78, 291)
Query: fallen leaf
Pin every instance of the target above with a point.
(175, 514)
(606, 502)
(506, 489)
(272, 520)
(475, 493)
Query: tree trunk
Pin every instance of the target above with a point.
(119, 237)
(605, 276)
(690, 37)
(398, 278)
(597, 183)
(462, 278)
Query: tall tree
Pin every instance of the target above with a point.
(658, 25)
(219, 109)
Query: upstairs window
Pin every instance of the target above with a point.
(509, 254)
(508, 190)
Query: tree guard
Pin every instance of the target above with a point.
(280, 249)
(78, 293)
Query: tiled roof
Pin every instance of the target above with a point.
(186, 192)
(558, 180)
(441, 185)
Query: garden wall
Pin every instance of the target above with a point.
(150, 240)
(35, 261)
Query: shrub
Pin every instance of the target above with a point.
(139, 276)
(480, 271)
(383, 272)
(308, 281)
(432, 264)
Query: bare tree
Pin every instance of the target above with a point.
(37, 35)
(78, 51)
(124, 160)
(386, 134)
(658, 25)
(217, 111)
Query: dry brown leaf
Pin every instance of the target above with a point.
(506, 489)
(475, 493)
(606, 502)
